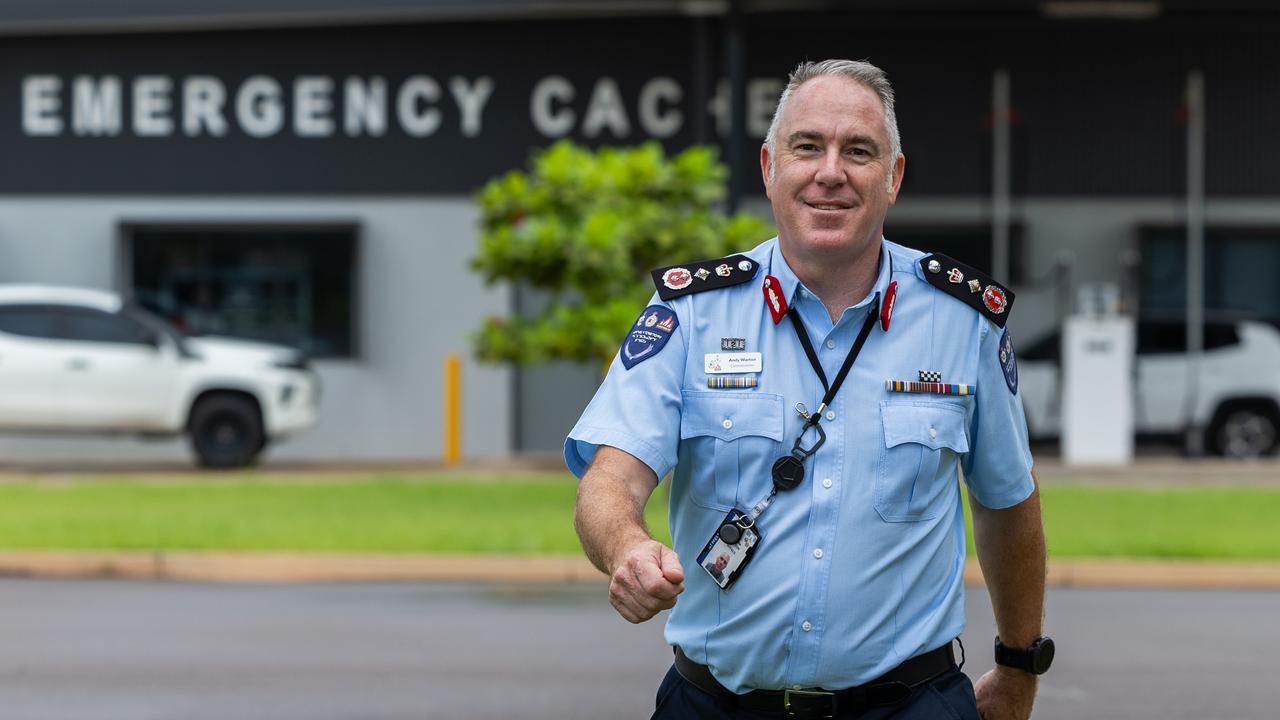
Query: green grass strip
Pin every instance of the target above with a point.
(418, 513)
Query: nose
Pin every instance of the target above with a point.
(830, 173)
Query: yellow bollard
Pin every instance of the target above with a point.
(452, 408)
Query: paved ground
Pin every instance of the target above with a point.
(139, 650)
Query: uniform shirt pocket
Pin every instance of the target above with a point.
(725, 434)
(922, 441)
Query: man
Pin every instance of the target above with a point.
(845, 510)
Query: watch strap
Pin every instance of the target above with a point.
(1026, 658)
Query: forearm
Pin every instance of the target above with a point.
(1011, 549)
(609, 514)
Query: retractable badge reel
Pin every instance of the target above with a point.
(737, 537)
(735, 541)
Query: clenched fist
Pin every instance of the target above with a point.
(645, 581)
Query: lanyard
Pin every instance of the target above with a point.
(788, 470)
(833, 388)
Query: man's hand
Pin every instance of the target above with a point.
(645, 581)
(1005, 694)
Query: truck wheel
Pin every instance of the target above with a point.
(226, 431)
(1244, 431)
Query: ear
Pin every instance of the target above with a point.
(899, 166)
(765, 160)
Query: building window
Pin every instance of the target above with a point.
(292, 285)
(1239, 265)
(970, 244)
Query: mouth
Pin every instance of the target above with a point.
(828, 206)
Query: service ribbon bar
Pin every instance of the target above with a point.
(731, 381)
(933, 388)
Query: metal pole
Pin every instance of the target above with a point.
(736, 60)
(1001, 182)
(1194, 439)
(703, 63)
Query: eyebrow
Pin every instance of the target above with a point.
(794, 137)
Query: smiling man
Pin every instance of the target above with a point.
(814, 399)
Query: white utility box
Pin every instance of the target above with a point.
(1097, 390)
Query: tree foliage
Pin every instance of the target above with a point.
(586, 227)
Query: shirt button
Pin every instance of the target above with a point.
(831, 344)
(933, 432)
(831, 414)
(727, 423)
(817, 553)
(807, 626)
(826, 483)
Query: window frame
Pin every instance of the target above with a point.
(128, 229)
(1017, 259)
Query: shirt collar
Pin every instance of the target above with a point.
(789, 283)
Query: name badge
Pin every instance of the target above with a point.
(719, 363)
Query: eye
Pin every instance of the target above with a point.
(806, 147)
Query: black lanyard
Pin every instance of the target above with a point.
(788, 470)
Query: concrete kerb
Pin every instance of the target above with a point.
(316, 568)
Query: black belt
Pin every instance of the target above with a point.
(889, 689)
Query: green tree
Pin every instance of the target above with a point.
(586, 227)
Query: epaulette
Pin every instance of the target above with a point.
(969, 286)
(676, 280)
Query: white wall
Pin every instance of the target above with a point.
(418, 300)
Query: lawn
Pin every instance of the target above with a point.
(420, 513)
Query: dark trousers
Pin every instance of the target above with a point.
(949, 697)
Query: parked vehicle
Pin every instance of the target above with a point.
(1239, 398)
(84, 361)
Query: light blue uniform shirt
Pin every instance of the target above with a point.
(861, 566)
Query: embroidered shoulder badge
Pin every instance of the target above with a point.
(969, 286)
(649, 335)
(689, 278)
(1008, 362)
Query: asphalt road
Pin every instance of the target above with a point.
(107, 649)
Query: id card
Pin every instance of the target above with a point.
(724, 561)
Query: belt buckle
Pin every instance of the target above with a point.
(809, 704)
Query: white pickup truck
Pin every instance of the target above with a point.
(1239, 398)
(84, 361)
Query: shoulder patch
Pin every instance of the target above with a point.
(649, 335)
(1008, 362)
(676, 280)
(969, 286)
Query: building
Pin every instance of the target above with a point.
(302, 170)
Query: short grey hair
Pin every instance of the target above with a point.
(860, 71)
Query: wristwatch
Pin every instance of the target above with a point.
(1035, 659)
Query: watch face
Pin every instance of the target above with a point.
(1041, 655)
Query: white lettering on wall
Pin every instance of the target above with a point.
(41, 103)
(605, 110)
(366, 107)
(471, 99)
(417, 118)
(258, 107)
(762, 100)
(202, 100)
(151, 106)
(653, 119)
(718, 107)
(552, 122)
(312, 105)
(95, 105)
(309, 106)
